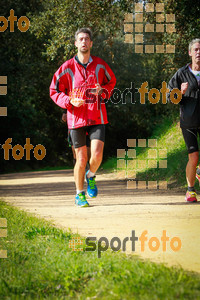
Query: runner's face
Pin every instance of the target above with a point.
(195, 53)
(83, 42)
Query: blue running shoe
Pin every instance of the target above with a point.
(80, 200)
(92, 190)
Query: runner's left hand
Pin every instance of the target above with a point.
(97, 89)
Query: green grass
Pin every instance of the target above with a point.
(110, 164)
(169, 136)
(40, 265)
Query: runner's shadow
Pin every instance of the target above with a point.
(35, 174)
(148, 203)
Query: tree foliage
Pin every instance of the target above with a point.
(59, 20)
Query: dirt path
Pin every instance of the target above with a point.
(116, 212)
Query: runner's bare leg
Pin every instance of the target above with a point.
(79, 169)
(96, 155)
(191, 168)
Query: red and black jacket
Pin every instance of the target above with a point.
(72, 75)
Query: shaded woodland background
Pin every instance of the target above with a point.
(30, 59)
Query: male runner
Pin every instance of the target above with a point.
(80, 85)
(187, 79)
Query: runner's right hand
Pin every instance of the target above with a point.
(64, 117)
(184, 87)
(77, 102)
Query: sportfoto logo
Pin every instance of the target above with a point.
(164, 23)
(3, 92)
(3, 233)
(116, 244)
(129, 164)
(23, 22)
(18, 151)
(154, 95)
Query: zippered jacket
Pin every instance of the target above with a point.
(190, 102)
(73, 80)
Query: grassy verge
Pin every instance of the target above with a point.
(40, 265)
(169, 137)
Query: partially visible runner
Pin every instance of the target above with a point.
(187, 79)
(80, 85)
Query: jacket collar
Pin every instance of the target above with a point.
(90, 59)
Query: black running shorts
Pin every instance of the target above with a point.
(95, 132)
(69, 139)
(190, 137)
